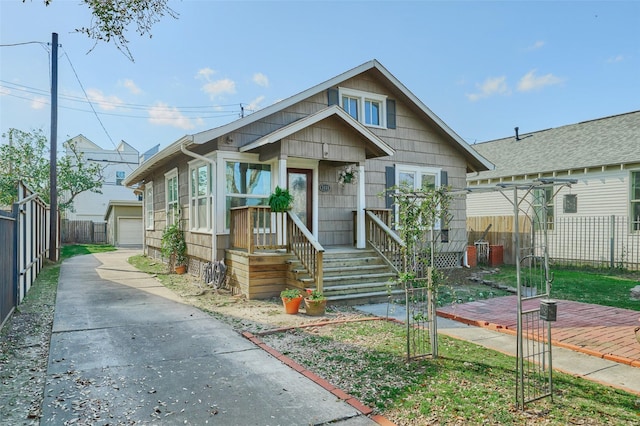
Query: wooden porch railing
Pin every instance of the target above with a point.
(383, 240)
(306, 248)
(258, 228)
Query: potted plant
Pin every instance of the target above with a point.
(291, 299)
(280, 200)
(315, 303)
(174, 247)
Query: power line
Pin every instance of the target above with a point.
(92, 108)
(23, 43)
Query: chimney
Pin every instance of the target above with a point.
(517, 135)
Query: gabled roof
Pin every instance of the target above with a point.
(472, 157)
(380, 146)
(605, 141)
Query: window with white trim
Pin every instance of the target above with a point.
(246, 184)
(635, 200)
(368, 108)
(172, 201)
(418, 178)
(200, 197)
(148, 205)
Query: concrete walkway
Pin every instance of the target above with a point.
(124, 350)
(478, 322)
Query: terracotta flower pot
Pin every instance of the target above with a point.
(291, 306)
(181, 269)
(315, 308)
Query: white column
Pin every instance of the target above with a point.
(360, 205)
(282, 172)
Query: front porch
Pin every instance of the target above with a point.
(272, 251)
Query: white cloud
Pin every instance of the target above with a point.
(491, 86)
(205, 73)
(254, 105)
(261, 79)
(107, 103)
(129, 84)
(531, 81)
(39, 102)
(164, 115)
(4, 91)
(219, 87)
(537, 45)
(617, 58)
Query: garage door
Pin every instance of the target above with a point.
(129, 232)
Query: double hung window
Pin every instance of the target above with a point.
(200, 198)
(543, 211)
(148, 205)
(172, 198)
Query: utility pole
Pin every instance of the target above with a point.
(53, 160)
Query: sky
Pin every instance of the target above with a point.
(483, 67)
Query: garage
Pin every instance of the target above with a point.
(129, 232)
(124, 223)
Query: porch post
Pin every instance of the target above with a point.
(360, 205)
(282, 172)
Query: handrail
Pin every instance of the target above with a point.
(306, 248)
(384, 240)
(257, 228)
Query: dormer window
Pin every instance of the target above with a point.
(367, 108)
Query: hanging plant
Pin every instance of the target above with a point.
(280, 200)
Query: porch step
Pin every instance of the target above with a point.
(351, 276)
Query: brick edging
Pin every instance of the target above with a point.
(339, 393)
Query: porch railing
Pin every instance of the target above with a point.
(306, 248)
(383, 240)
(258, 228)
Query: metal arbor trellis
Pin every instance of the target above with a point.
(534, 365)
(421, 211)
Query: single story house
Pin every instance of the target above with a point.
(601, 155)
(124, 223)
(216, 183)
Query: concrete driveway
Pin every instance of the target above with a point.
(124, 350)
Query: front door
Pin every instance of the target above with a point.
(299, 182)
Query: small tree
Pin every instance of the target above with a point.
(25, 157)
(418, 213)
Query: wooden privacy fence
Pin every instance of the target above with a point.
(601, 241)
(83, 232)
(24, 235)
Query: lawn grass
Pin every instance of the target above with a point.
(600, 287)
(71, 250)
(467, 384)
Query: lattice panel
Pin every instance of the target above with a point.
(448, 260)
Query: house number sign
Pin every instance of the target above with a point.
(325, 187)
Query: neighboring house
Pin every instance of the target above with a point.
(118, 164)
(603, 155)
(218, 182)
(124, 223)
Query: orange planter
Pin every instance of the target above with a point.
(291, 306)
(181, 269)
